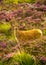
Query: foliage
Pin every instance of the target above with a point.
(23, 16)
(30, 1)
(5, 27)
(20, 59)
(18, 1)
(24, 59)
(10, 1)
(2, 37)
(44, 32)
(0, 62)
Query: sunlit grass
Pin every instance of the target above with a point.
(5, 27)
(24, 59)
(21, 58)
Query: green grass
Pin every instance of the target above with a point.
(18, 1)
(21, 59)
(44, 32)
(5, 27)
(24, 59)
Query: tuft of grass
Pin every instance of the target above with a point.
(24, 59)
(20, 58)
(5, 27)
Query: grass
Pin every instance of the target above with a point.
(21, 59)
(36, 47)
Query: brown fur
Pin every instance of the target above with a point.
(29, 34)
